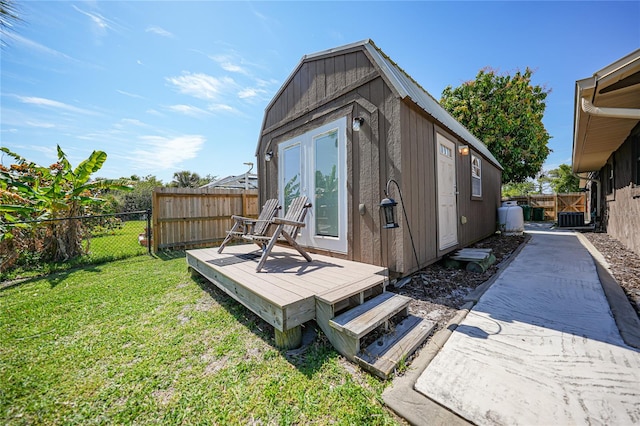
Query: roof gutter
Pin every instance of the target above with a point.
(589, 108)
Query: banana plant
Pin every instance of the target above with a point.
(29, 192)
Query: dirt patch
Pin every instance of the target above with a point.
(438, 292)
(624, 264)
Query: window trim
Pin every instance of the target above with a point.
(476, 175)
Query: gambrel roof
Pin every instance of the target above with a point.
(406, 88)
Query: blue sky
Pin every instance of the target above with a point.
(169, 86)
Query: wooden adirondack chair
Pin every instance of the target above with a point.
(243, 226)
(287, 230)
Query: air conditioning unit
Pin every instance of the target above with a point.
(570, 219)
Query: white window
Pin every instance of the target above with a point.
(476, 176)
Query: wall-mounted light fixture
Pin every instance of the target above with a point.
(388, 205)
(463, 149)
(268, 156)
(357, 122)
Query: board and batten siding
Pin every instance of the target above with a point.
(396, 141)
(333, 87)
(481, 213)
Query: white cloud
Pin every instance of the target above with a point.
(221, 108)
(163, 153)
(131, 95)
(43, 102)
(99, 23)
(201, 86)
(159, 31)
(40, 124)
(188, 110)
(226, 62)
(39, 47)
(251, 92)
(154, 112)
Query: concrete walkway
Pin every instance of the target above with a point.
(541, 346)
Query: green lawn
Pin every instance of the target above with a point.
(141, 341)
(109, 245)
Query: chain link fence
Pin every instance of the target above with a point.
(95, 239)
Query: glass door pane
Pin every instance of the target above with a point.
(326, 185)
(291, 175)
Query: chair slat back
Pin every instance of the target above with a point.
(268, 212)
(297, 211)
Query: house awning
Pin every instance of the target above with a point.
(607, 108)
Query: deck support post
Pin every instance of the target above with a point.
(289, 339)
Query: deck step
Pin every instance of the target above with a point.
(360, 320)
(334, 296)
(384, 354)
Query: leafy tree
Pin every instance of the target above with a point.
(505, 112)
(185, 179)
(516, 189)
(8, 14)
(140, 198)
(207, 179)
(562, 179)
(60, 191)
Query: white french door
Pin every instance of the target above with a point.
(314, 164)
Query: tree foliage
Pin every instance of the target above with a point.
(185, 179)
(562, 179)
(8, 15)
(140, 198)
(32, 192)
(517, 189)
(505, 112)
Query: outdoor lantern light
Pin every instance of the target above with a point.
(357, 122)
(268, 156)
(389, 210)
(463, 149)
(388, 206)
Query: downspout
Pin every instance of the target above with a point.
(591, 109)
(598, 192)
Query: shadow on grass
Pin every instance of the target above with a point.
(55, 273)
(308, 359)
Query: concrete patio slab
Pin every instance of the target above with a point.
(540, 347)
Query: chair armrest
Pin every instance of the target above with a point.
(284, 221)
(242, 218)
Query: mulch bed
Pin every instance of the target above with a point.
(624, 264)
(438, 292)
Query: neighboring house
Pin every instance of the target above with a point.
(606, 147)
(244, 181)
(347, 120)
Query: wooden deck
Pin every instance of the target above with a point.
(284, 294)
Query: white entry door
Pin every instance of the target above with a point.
(314, 164)
(447, 207)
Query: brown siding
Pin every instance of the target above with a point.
(622, 214)
(395, 142)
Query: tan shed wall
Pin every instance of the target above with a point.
(396, 141)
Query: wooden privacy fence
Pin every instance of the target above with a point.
(197, 217)
(554, 203)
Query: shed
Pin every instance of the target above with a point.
(345, 122)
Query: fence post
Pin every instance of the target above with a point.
(149, 230)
